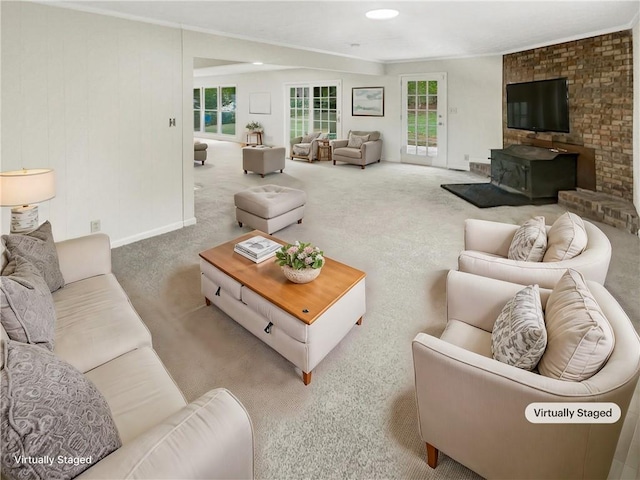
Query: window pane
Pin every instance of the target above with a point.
(422, 87)
(228, 123)
(211, 98)
(325, 91)
(411, 88)
(228, 99)
(196, 120)
(422, 102)
(196, 98)
(433, 87)
(211, 121)
(332, 92)
(411, 102)
(433, 102)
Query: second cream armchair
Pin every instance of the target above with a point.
(369, 151)
(486, 245)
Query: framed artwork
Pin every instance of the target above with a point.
(367, 101)
(260, 103)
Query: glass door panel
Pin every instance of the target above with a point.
(424, 126)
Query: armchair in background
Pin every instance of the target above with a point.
(199, 151)
(361, 148)
(306, 147)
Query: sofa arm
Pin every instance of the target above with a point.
(372, 151)
(488, 237)
(338, 143)
(84, 257)
(211, 438)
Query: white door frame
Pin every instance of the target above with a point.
(441, 159)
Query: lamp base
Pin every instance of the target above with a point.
(24, 219)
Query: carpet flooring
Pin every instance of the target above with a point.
(485, 195)
(357, 418)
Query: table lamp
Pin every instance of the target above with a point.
(20, 189)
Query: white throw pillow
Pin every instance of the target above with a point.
(519, 336)
(309, 137)
(356, 141)
(567, 238)
(529, 242)
(579, 337)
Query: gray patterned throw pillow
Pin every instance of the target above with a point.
(529, 242)
(39, 248)
(27, 312)
(50, 411)
(356, 141)
(519, 337)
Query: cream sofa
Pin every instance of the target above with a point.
(369, 152)
(472, 407)
(486, 245)
(99, 332)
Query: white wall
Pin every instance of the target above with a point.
(474, 90)
(91, 96)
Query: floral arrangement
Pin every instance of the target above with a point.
(253, 126)
(300, 256)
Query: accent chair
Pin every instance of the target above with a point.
(472, 407)
(306, 147)
(361, 148)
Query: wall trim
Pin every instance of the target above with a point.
(148, 234)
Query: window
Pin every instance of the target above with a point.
(217, 114)
(314, 108)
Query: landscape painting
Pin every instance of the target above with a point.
(367, 101)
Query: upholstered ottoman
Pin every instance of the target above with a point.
(269, 208)
(263, 160)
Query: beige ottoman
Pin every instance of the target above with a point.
(263, 160)
(269, 207)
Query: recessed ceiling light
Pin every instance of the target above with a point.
(258, 63)
(382, 14)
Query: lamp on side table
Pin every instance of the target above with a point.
(22, 188)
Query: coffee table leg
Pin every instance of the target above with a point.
(207, 301)
(306, 378)
(359, 322)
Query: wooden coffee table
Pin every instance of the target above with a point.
(303, 322)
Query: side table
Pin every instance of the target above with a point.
(324, 150)
(256, 135)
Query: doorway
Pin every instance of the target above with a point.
(424, 126)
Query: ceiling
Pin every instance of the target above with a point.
(423, 30)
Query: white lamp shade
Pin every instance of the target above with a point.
(23, 187)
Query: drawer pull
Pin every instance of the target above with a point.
(218, 292)
(268, 328)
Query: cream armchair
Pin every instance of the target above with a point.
(486, 245)
(305, 147)
(369, 152)
(472, 407)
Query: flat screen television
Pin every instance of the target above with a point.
(541, 106)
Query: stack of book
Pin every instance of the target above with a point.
(257, 249)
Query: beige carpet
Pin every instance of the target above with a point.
(357, 419)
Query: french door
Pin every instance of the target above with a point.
(424, 126)
(313, 107)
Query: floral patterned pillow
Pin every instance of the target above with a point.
(356, 141)
(529, 242)
(519, 336)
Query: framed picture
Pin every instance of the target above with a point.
(367, 101)
(260, 103)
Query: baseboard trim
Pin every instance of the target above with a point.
(148, 234)
(189, 222)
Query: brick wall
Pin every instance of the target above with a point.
(600, 77)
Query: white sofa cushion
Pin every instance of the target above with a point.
(519, 336)
(529, 242)
(96, 322)
(566, 239)
(579, 337)
(139, 391)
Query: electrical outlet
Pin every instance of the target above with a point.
(95, 226)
